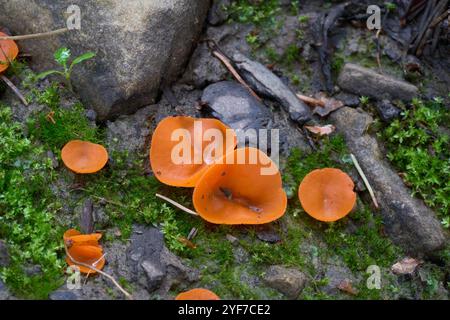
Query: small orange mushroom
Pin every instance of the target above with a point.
(84, 248)
(197, 294)
(8, 52)
(239, 193)
(327, 194)
(84, 157)
(163, 145)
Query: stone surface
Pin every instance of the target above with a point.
(63, 295)
(218, 13)
(266, 83)
(407, 220)
(4, 292)
(130, 133)
(139, 44)
(235, 106)
(4, 255)
(387, 110)
(231, 103)
(366, 82)
(153, 265)
(290, 281)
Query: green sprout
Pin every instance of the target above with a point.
(62, 56)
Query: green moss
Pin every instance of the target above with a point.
(26, 206)
(69, 124)
(421, 150)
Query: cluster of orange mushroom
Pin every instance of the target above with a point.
(236, 193)
(224, 192)
(84, 251)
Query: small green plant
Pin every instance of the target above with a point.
(364, 100)
(390, 6)
(62, 56)
(303, 19)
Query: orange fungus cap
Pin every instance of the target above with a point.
(327, 194)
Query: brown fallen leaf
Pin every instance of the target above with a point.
(323, 105)
(329, 105)
(405, 266)
(347, 287)
(322, 131)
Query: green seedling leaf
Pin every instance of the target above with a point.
(45, 74)
(83, 57)
(62, 55)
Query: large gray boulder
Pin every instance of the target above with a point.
(140, 45)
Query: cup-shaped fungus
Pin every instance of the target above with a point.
(84, 249)
(84, 157)
(327, 194)
(197, 294)
(8, 52)
(183, 148)
(245, 188)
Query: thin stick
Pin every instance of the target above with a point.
(14, 89)
(35, 35)
(100, 272)
(366, 182)
(91, 267)
(233, 71)
(176, 204)
(379, 50)
(311, 101)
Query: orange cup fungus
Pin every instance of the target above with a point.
(8, 52)
(84, 249)
(197, 294)
(240, 193)
(327, 194)
(166, 146)
(84, 157)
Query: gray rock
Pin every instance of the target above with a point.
(231, 103)
(407, 220)
(290, 281)
(4, 292)
(152, 265)
(130, 133)
(63, 295)
(267, 233)
(387, 110)
(4, 255)
(366, 82)
(336, 274)
(139, 45)
(266, 83)
(218, 13)
(350, 100)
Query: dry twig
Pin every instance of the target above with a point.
(14, 89)
(176, 204)
(366, 182)
(128, 295)
(35, 35)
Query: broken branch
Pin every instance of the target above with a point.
(14, 89)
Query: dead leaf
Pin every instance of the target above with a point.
(405, 266)
(329, 105)
(322, 131)
(347, 287)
